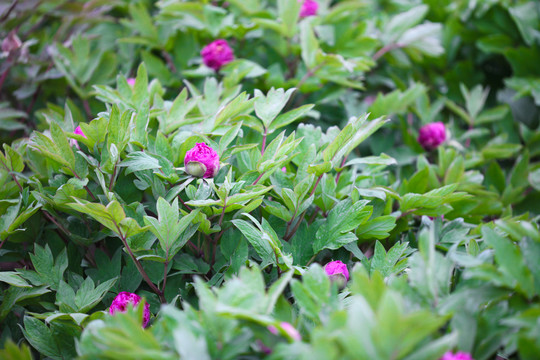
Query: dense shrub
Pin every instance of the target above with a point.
(278, 179)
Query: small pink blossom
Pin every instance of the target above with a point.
(11, 42)
(216, 54)
(74, 142)
(336, 268)
(309, 8)
(284, 169)
(432, 135)
(263, 348)
(202, 161)
(288, 328)
(121, 301)
(460, 355)
(131, 81)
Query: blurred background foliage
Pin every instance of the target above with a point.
(352, 189)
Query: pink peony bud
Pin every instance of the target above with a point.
(216, 54)
(202, 161)
(432, 135)
(288, 328)
(130, 81)
(263, 348)
(309, 8)
(11, 42)
(334, 269)
(74, 142)
(457, 356)
(121, 301)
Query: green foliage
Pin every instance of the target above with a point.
(315, 123)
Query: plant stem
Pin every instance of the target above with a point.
(257, 180)
(183, 203)
(288, 236)
(311, 260)
(264, 140)
(9, 10)
(3, 77)
(385, 49)
(194, 247)
(12, 175)
(165, 268)
(111, 183)
(3, 241)
(277, 263)
(85, 186)
(342, 163)
(140, 267)
(86, 106)
(58, 225)
(219, 234)
(308, 74)
(170, 62)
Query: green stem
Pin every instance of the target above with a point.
(139, 266)
(289, 236)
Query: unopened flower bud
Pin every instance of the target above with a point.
(337, 272)
(460, 355)
(288, 328)
(74, 142)
(309, 8)
(11, 42)
(216, 54)
(432, 135)
(202, 161)
(123, 299)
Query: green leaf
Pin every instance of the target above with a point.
(309, 45)
(387, 263)
(88, 296)
(500, 151)
(377, 228)
(41, 337)
(139, 161)
(342, 219)
(404, 21)
(510, 261)
(289, 117)
(14, 279)
(168, 227)
(383, 159)
(256, 238)
(140, 131)
(268, 107)
(111, 216)
(356, 131)
(288, 13)
(15, 294)
(12, 352)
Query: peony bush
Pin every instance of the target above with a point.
(269, 179)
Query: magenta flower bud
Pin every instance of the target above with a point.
(288, 328)
(216, 54)
(309, 8)
(337, 269)
(74, 142)
(121, 301)
(432, 135)
(263, 348)
(460, 355)
(284, 169)
(202, 161)
(131, 81)
(11, 42)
